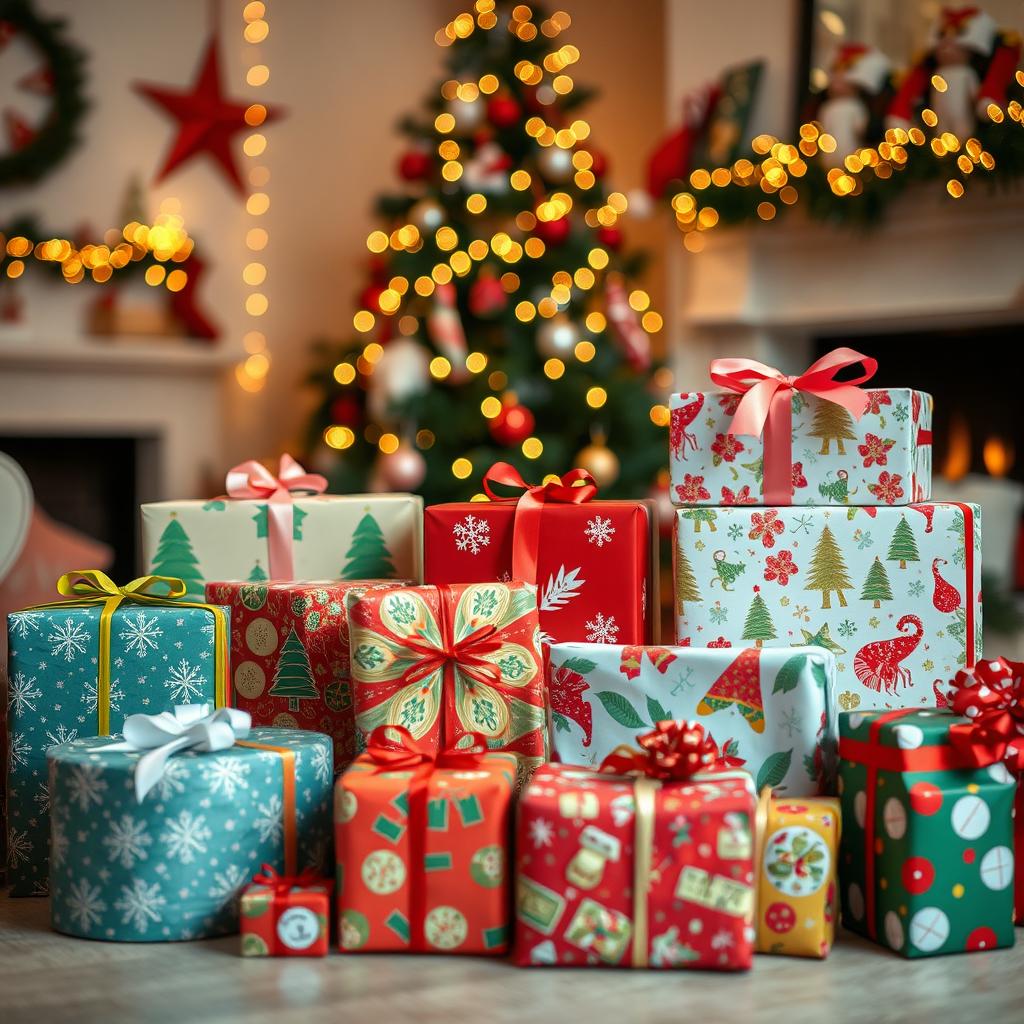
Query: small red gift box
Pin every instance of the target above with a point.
(286, 915)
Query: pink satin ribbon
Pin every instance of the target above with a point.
(766, 408)
(252, 479)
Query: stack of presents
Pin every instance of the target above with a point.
(350, 716)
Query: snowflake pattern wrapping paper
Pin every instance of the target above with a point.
(884, 458)
(447, 661)
(174, 866)
(290, 656)
(894, 593)
(926, 861)
(576, 871)
(595, 568)
(775, 709)
(160, 656)
(463, 882)
(351, 537)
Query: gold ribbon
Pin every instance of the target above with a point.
(644, 791)
(287, 801)
(85, 587)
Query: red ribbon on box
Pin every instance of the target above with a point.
(573, 488)
(673, 752)
(281, 887)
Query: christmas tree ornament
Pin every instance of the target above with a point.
(487, 298)
(625, 326)
(415, 165)
(599, 163)
(369, 297)
(555, 164)
(403, 469)
(467, 113)
(557, 338)
(859, 77)
(599, 461)
(503, 111)
(427, 215)
(513, 425)
(487, 169)
(444, 325)
(553, 232)
(610, 236)
(207, 121)
(401, 372)
(346, 411)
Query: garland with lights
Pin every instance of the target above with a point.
(497, 322)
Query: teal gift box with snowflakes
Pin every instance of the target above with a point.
(160, 655)
(893, 592)
(172, 866)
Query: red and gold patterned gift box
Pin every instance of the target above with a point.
(290, 655)
(422, 847)
(652, 869)
(594, 562)
(283, 915)
(446, 662)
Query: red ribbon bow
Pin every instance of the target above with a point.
(673, 752)
(270, 877)
(766, 407)
(252, 479)
(573, 488)
(991, 695)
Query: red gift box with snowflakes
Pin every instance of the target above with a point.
(596, 563)
(290, 655)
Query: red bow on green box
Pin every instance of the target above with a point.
(991, 695)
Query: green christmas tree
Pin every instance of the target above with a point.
(876, 585)
(701, 514)
(832, 423)
(368, 555)
(903, 546)
(175, 557)
(293, 677)
(257, 575)
(758, 626)
(828, 570)
(686, 582)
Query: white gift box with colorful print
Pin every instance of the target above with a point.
(893, 593)
(773, 708)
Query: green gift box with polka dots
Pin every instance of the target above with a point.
(926, 859)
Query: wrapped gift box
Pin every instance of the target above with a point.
(884, 458)
(351, 537)
(927, 848)
(798, 900)
(172, 867)
(281, 916)
(774, 709)
(894, 593)
(444, 662)
(439, 843)
(290, 656)
(577, 872)
(596, 563)
(160, 656)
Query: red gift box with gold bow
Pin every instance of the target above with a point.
(594, 562)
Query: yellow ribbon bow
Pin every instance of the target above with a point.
(84, 587)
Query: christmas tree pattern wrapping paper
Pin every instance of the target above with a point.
(926, 863)
(894, 593)
(352, 537)
(576, 870)
(290, 656)
(775, 709)
(884, 458)
(160, 656)
(594, 567)
(798, 863)
(173, 866)
(458, 890)
(444, 662)
(280, 916)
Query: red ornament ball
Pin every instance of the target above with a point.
(345, 410)
(415, 165)
(610, 237)
(552, 232)
(487, 298)
(599, 167)
(503, 111)
(369, 297)
(513, 425)
(925, 798)
(918, 873)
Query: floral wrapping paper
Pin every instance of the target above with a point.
(798, 900)
(160, 656)
(351, 537)
(290, 656)
(575, 871)
(775, 709)
(938, 844)
(173, 866)
(894, 593)
(293, 922)
(400, 675)
(595, 570)
(464, 876)
(884, 458)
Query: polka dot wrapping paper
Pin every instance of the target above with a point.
(286, 920)
(926, 862)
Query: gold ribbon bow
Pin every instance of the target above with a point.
(82, 588)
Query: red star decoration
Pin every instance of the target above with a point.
(207, 120)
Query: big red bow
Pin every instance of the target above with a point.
(573, 488)
(673, 752)
(766, 408)
(991, 695)
(252, 479)
(270, 877)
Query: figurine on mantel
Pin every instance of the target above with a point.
(977, 62)
(859, 84)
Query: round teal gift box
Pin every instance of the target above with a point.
(172, 866)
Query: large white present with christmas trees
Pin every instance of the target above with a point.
(894, 593)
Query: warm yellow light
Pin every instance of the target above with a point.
(339, 437)
(446, 238)
(520, 180)
(476, 362)
(17, 267)
(476, 203)
(460, 262)
(451, 171)
(257, 365)
(496, 380)
(639, 300)
(254, 273)
(525, 311)
(651, 322)
(660, 415)
(461, 468)
(256, 31)
(442, 273)
(585, 351)
(254, 341)
(598, 259)
(489, 84)
(534, 248)
(596, 322)
(425, 439)
(258, 74)
(373, 352)
(344, 373)
(155, 275)
(554, 368)
(444, 123)
(388, 443)
(256, 304)
(363, 321)
(440, 367)
(424, 286)
(389, 300)
(596, 397)
(377, 241)
(533, 448)
(954, 188)
(490, 407)
(257, 204)
(176, 279)
(766, 211)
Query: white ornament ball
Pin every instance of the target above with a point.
(557, 338)
(555, 163)
(427, 215)
(467, 114)
(401, 372)
(403, 469)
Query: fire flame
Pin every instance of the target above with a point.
(998, 456)
(958, 455)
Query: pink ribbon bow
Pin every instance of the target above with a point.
(252, 479)
(766, 406)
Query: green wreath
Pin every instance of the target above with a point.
(58, 135)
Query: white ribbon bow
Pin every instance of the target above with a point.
(188, 727)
